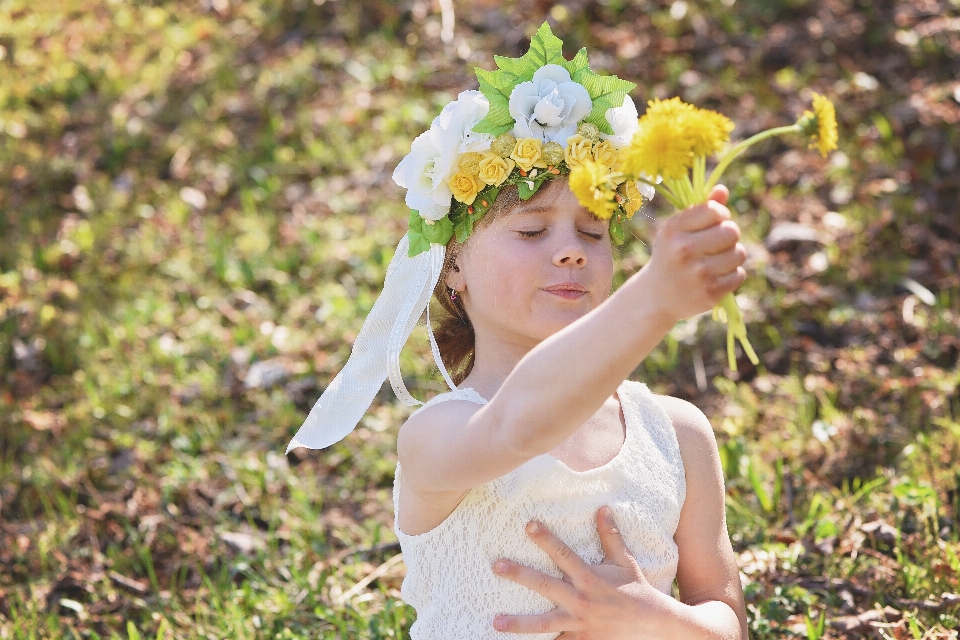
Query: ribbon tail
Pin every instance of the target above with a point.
(375, 355)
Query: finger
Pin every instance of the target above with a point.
(551, 588)
(720, 194)
(555, 621)
(614, 548)
(723, 263)
(716, 239)
(730, 282)
(702, 216)
(568, 561)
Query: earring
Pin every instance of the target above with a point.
(453, 294)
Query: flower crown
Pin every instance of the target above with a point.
(534, 119)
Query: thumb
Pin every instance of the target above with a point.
(614, 548)
(720, 194)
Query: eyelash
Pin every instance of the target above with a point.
(534, 234)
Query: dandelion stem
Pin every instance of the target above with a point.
(699, 177)
(743, 146)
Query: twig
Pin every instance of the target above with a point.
(380, 571)
(343, 554)
(446, 20)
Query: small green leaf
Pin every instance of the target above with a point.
(545, 48)
(521, 69)
(526, 187)
(616, 231)
(579, 62)
(463, 220)
(496, 84)
(418, 243)
(439, 232)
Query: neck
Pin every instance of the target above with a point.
(495, 357)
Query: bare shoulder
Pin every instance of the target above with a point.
(426, 432)
(694, 431)
(698, 444)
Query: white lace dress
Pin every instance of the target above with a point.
(450, 580)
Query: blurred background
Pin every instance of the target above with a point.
(196, 214)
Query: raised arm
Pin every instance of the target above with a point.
(561, 382)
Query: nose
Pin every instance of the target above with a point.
(570, 253)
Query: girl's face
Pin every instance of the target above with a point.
(536, 269)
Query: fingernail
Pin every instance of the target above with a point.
(533, 528)
(608, 518)
(500, 624)
(500, 566)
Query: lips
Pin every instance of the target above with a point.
(569, 290)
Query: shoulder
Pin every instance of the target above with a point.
(422, 429)
(698, 444)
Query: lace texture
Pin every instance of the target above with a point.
(450, 579)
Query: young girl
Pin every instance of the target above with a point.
(541, 423)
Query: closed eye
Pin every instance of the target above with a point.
(534, 234)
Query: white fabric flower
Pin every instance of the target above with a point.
(425, 171)
(623, 121)
(646, 189)
(549, 107)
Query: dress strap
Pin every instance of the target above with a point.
(467, 394)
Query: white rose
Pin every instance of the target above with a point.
(623, 121)
(425, 171)
(549, 107)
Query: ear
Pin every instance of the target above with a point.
(454, 278)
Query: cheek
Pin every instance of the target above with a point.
(601, 261)
(502, 274)
(507, 271)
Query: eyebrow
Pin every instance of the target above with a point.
(532, 209)
(545, 209)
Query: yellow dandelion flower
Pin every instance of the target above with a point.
(708, 130)
(826, 124)
(668, 109)
(661, 147)
(589, 182)
(820, 125)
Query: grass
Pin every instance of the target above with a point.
(190, 191)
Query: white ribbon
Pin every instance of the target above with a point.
(376, 351)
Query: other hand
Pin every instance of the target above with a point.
(612, 600)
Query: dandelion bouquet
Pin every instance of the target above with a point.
(669, 152)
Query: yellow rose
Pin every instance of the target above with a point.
(465, 187)
(633, 200)
(494, 169)
(527, 154)
(578, 151)
(605, 154)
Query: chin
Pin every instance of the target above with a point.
(561, 320)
